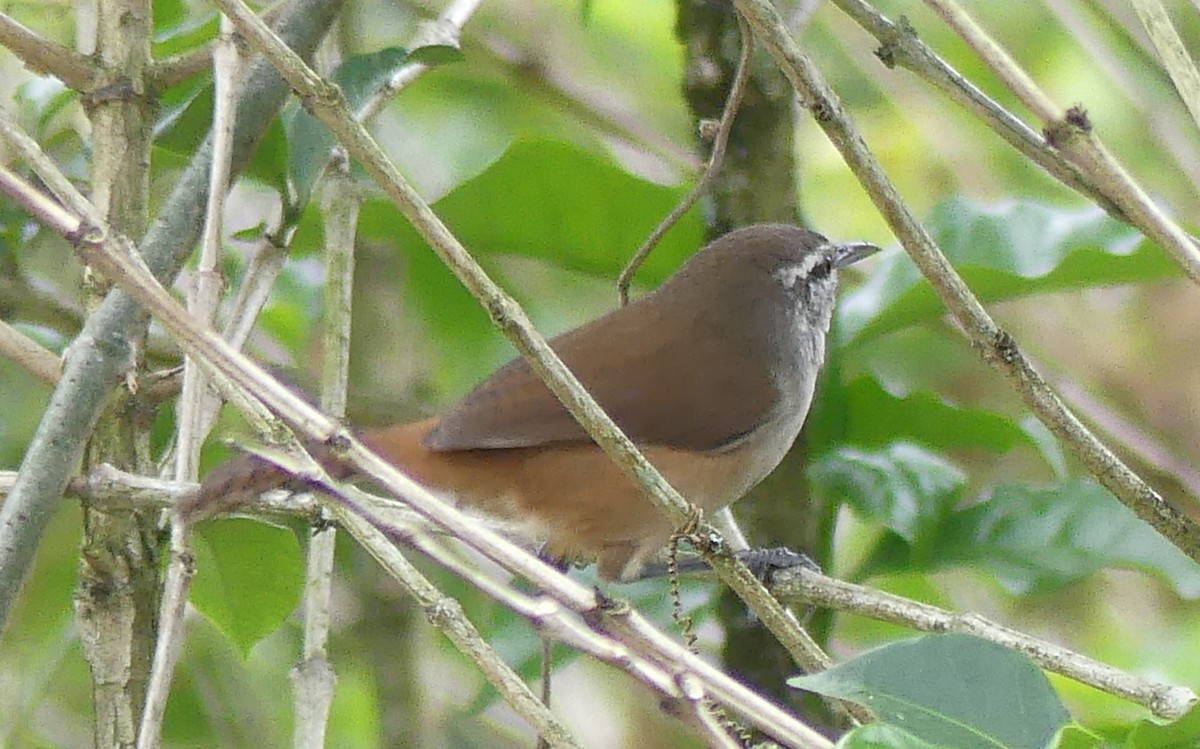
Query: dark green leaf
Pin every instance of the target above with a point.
(181, 129)
(542, 199)
(359, 77)
(437, 54)
(269, 162)
(875, 418)
(1038, 539)
(248, 578)
(904, 487)
(953, 690)
(1012, 249)
(251, 233)
(882, 736)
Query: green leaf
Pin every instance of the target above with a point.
(1048, 445)
(183, 124)
(437, 54)
(1075, 736)
(952, 689)
(876, 418)
(168, 14)
(359, 77)
(882, 736)
(542, 199)
(179, 34)
(575, 209)
(1004, 251)
(182, 128)
(906, 488)
(1183, 733)
(251, 233)
(248, 578)
(1036, 539)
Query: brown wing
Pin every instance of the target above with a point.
(694, 391)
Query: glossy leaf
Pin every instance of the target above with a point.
(1003, 251)
(542, 199)
(1037, 539)
(876, 418)
(906, 488)
(182, 128)
(309, 141)
(951, 689)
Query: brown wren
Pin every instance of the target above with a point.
(711, 375)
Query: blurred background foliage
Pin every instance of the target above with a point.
(552, 146)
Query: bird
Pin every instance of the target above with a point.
(711, 374)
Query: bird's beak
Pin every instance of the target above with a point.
(848, 253)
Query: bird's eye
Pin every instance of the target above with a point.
(822, 268)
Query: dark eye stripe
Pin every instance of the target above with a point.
(823, 268)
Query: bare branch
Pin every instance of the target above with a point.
(736, 90)
(192, 425)
(801, 585)
(44, 56)
(1071, 132)
(994, 345)
(901, 46)
(313, 676)
(29, 354)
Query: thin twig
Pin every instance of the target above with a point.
(42, 207)
(736, 91)
(1071, 132)
(1175, 58)
(45, 168)
(207, 281)
(313, 677)
(900, 46)
(444, 30)
(1148, 448)
(171, 71)
(192, 429)
(1171, 127)
(801, 585)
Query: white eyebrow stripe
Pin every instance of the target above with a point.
(789, 275)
